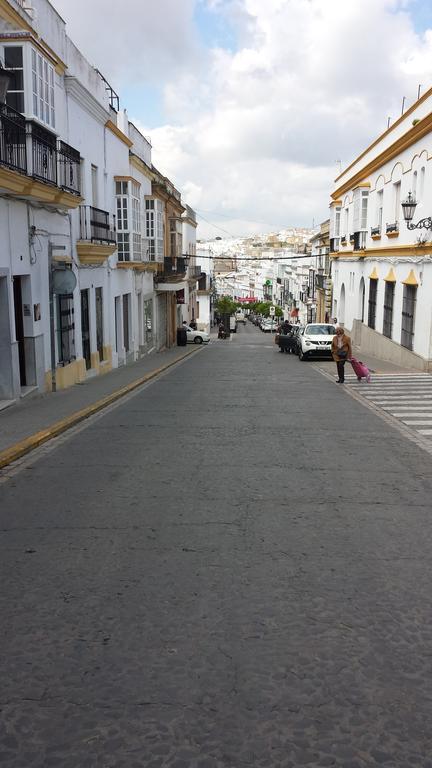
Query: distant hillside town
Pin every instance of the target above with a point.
(290, 269)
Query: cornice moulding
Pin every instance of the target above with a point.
(84, 98)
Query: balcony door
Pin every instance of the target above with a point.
(99, 321)
(85, 327)
(19, 328)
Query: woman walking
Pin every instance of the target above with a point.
(341, 351)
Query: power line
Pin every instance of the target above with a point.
(260, 258)
(250, 221)
(216, 226)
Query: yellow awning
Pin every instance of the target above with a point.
(411, 279)
(391, 277)
(373, 275)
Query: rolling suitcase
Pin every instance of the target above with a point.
(360, 369)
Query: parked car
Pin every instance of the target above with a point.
(316, 340)
(196, 337)
(240, 317)
(268, 325)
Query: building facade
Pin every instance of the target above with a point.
(92, 246)
(382, 271)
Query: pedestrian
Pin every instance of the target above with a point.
(341, 352)
(193, 325)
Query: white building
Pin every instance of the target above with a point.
(81, 205)
(382, 271)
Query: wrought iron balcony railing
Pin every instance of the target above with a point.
(43, 152)
(334, 244)
(13, 152)
(376, 230)
(95, 225)
(392, 227)
(29, 148)
(69, 164)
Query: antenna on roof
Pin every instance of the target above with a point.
(419, 91)
(403, 105)
(388, 122)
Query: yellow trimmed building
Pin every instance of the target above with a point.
(382, 264)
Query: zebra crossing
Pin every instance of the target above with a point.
(405, 396)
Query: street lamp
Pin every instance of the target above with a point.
(408, 208)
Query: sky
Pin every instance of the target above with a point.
(252, 107)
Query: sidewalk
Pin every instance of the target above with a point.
(37, 414)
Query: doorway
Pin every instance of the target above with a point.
(85, 327)
(19, 328)
(99, 321)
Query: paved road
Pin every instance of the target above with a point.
(232, 568)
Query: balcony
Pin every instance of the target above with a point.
(343, 240)
(320, 281)
(97, 238)
(194, 272)
(360, 240)
(376, 232)
(334, 244)
(392, 230)
(173, 269)
(35, 164)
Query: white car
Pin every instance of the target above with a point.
(196, 337)
(269, 326)
(316, 340)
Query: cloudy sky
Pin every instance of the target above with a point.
(252, 106)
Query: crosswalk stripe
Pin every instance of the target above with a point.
(405, 397)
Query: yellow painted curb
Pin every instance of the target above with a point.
(18, 450)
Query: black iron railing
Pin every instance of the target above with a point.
(69, 163)
(95, 225)
(44, 153)
(173, 267)
(13, 152)
(320, 281)
(194, 272)
(392, 227)
(334, 244)
(375, 230)
(343, 240)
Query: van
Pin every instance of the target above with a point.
(240, 316)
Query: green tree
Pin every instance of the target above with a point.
(226, 306)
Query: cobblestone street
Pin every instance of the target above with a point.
(230, 567)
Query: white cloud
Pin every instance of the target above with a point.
(255, 133)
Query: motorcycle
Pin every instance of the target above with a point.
(222, 332)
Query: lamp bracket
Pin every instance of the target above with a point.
(422, 224)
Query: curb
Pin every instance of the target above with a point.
(9, 455)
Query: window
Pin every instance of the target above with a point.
(379, 208)
(155, 229)
(128, 207)
(388, 309)
(422, 182)
(136, 221)
(337, 222)
(13, 61)
(414, 184)
(373, 289)
(408, 316)
(346, 222)
(94, 185)
(396, 200)
(43, 89)
(360, 209)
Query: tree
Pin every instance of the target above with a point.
(225, 306)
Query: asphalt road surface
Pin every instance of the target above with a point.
(230, 568)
